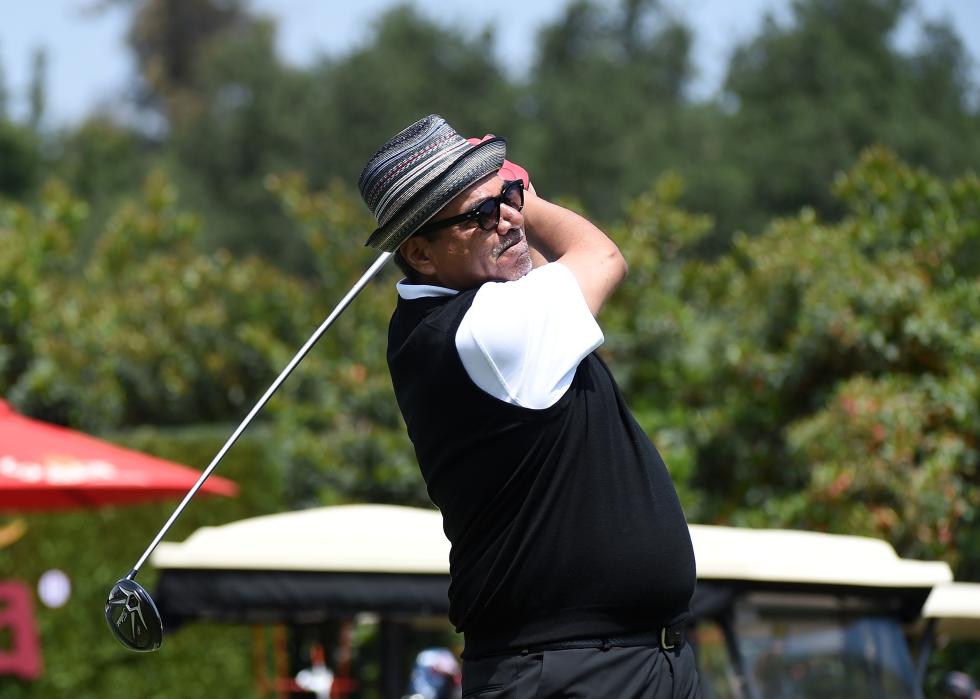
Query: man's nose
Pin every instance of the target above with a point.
(510, 218)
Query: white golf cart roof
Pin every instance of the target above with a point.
(802, 557)
(345, 538)
(394, 539)
(956, 608)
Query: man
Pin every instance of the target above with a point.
(571, 563)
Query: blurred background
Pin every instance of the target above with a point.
(794, 184)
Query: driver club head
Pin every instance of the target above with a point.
(133, 617)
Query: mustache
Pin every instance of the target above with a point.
(512, 238)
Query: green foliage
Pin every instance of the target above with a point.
(4, 96)
(236, 128)
(409, 67)
(172, 339)
(147, 330)
(20, 159)
(251, 115)
(168, 38)
(37, 94)
(606, 95)
(819, 376)
(652, 339)
(338, 422)
(95, 548)
(100, 159)
(818, 371)
(602, 109)
(809, 95)
(36, 249)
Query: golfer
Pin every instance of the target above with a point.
(571, 563)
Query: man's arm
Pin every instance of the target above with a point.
(560, 235)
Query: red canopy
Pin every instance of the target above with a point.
(45, 467)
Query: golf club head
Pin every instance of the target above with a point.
(133, 617)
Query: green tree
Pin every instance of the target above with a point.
(338, 422)
(606, 102)
(810, 94)
(817, 370)
(100, 159)
(820, 375)
(408, 67)
(3, 93)
(35, 247)
(168, 38)
(657, 336)
(38, 97)
(940, 124)
(255, 116)
(148, 330)
(20, 160)
(76, 335)
(145, 329)
(246, 124)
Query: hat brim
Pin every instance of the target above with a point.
(483, 159)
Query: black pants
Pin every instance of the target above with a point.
(637, 672)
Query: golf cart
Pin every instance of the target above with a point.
(952, 613)
(777, 614)
(783, 614)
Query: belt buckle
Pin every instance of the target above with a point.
(669, 632)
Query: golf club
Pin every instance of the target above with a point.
(129, 610)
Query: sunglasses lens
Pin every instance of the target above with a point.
(488, 214)
(514, 195)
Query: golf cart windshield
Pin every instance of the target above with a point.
(795, 657)
(823, 658)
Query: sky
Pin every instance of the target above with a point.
(89, 65)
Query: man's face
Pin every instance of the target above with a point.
(463, 256)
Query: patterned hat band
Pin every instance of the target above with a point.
(417, 172)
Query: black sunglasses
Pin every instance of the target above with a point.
(487, 212)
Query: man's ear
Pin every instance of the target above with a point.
(415, 250)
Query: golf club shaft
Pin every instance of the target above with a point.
(303, 351)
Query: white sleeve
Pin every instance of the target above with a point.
(521, 341)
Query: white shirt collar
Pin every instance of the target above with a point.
(420, 291)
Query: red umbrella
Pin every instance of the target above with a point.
(45, 467)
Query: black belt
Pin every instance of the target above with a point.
(668, 638)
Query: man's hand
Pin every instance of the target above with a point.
(558, 234)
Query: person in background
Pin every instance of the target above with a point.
(436, 675)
